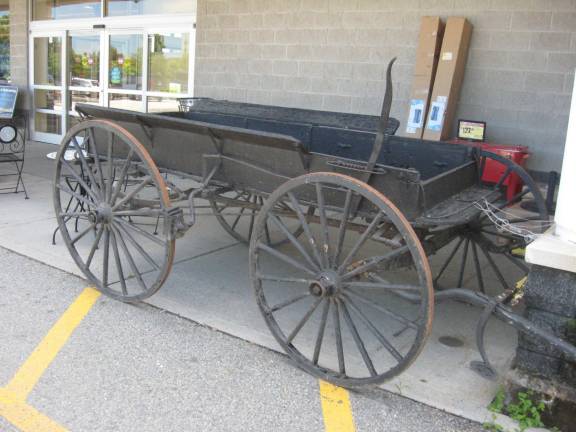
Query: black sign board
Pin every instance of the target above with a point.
(8, 96)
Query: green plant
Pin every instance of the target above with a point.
(497, 404)
(526, 411)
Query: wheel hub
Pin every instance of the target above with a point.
(326, 285)
(103, 213)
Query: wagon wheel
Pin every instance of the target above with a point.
(113, 174)
(237, 215)
(333, 300)
(492, 244)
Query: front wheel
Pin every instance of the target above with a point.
(112, 208)
(351, 300)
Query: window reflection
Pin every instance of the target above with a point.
(48, 61)
(65, 9)
(162, 104)
(125, 67)
(48, 123)
(168, 62)
(149, 7)
(84, 61)
(48, 99)
(4, 40)
(125, 102)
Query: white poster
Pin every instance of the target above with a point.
(416, 116)
(436, 116)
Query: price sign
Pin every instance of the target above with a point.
(471, 130)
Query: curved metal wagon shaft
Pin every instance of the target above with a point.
(494, 307)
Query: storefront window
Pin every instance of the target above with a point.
(168, 62)
(66, 9)
(48, 61)
(84, 61)
(149, 7)
(125, 101)
(4, 40)
(125, 66)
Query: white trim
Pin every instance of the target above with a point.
(116, 23)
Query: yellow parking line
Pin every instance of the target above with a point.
(25, 417)
(13, 406)
(336, 408)
(31, 371)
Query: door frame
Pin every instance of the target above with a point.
(105, 27)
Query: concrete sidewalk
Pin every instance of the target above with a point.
(209, 285)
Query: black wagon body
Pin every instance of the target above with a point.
(343, 218)
(259, 153)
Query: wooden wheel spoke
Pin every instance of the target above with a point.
(478, 268)
(137, 246)
(321, 330)
(84, 163)
(499, 275)
(94, 246)
(464, 261)
(132, 193)
(383, 286)
(122, 178)
(367, 233)
(325, 247)
(92, 142)
(130, 259)
(110, 161)
(517, 262)
(449, 260)
(342, 228)
(306, 227)
(304, 319)
(358, 340)
(375, 261)
(140, 231)
(289, 302)
(381, 338)
(382, 309)
(283, 257)
(106, 256)
(118, 261)
(274, 278)
(76, 195)
(82, 234)
(293, 240)
(81, 181)
(338, 336)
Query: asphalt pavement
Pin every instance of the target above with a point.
(138, 368)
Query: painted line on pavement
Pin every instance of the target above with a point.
(13, 406)
(336, 408)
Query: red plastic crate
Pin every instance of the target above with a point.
(494, 170)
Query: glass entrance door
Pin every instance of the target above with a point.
(85, 82)
(48, 86)
(137, 70)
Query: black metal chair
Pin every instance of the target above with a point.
(12, 153)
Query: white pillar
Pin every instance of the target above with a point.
(557, 248)
(566, 207)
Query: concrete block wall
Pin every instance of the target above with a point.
(19, 49)
(331, 54)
